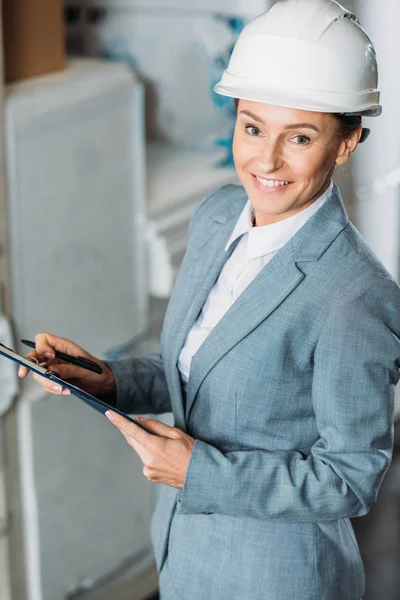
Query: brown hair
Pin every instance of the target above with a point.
(346, 124)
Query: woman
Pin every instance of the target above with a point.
(280, 347)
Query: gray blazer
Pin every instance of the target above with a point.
(290, 400)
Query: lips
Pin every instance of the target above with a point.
(271, 182)
(270, 185)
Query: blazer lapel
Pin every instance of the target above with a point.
(204, 272)
(204, 276)
(265, 293)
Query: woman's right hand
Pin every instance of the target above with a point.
(93, 383)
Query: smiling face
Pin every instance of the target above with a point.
(285, 157)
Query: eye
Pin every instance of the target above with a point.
(253, 130)
(303, 139)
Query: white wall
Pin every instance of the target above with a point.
(242, 7)
(377, 161)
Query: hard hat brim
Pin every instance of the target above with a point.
(329, 102)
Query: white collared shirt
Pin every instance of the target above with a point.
(256, 247)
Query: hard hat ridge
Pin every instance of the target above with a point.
(305, 19)
(345, 15)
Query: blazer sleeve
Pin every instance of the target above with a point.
(356, 368)
(141, 385)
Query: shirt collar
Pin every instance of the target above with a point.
(269, 238)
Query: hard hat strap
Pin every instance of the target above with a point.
(364, 135)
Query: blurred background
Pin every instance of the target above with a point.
(111, 134)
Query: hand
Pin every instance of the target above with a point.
(165, 456)
(91, 382)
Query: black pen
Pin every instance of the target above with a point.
(79, 361)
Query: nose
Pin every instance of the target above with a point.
(271, 158)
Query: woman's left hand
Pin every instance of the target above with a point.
(165, 456)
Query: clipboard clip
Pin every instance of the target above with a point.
(52, 374)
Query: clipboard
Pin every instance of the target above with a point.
(92, 401)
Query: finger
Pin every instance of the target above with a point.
(125, 426)
(64, 370)
(131, 441)
(46, 344)
(24, 371)
(44, 362)
(50, 386)
(136, 446)
(67, 371)
(146, 472)
(159, 428)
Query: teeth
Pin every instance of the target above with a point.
(271, 184)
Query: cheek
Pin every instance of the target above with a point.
(243, 152)
(308, 165)
(237, 150)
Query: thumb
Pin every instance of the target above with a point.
(158, 427)
(66, 371)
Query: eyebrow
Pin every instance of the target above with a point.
(292, 126)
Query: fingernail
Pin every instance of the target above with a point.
(20, 371)
(49, 354)
(109, 415)
(56, 388)
(66, 393)
(141, 419)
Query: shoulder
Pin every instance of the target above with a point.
(360, 284)
(363, 253)
(354, 266)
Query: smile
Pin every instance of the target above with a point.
(271, 182)
(270, 185)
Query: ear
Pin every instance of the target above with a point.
(348, 146)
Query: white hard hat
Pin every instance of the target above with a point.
(307, 54)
